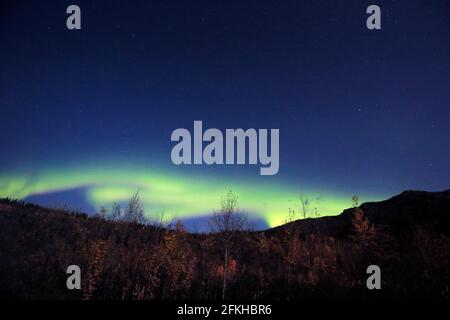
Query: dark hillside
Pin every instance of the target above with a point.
(399, 213)
(407, 236)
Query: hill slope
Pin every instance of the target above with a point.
(431, 209)
(407, 236)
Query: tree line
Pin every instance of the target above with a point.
(123, 256)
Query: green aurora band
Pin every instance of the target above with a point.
(175, 195)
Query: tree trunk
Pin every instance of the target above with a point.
(225, 269)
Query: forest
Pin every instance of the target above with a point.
(124, 257)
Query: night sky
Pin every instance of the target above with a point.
(86, 115)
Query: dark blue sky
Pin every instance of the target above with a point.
(359, 111)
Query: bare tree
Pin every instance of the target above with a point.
(316, 213)
(304, 202)
(227, 222)
(134, 211)
(103, 213)
(290, 246)
(116, 212)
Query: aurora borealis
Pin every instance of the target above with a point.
(176, 196)
(359, 112)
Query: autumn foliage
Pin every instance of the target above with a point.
(128, 260)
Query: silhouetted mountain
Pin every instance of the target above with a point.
(431, 209)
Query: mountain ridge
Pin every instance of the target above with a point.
(414, 205)
(410, 206)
